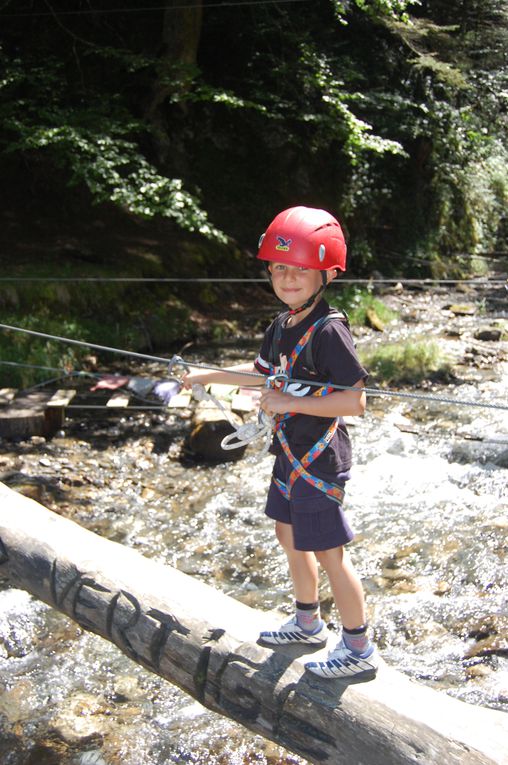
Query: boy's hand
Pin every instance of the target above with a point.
(191, 378)
(275, 401)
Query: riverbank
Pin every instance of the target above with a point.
(427, 501)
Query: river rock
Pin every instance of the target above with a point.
(483, 452)
(17, 703)
(489, 334)
(209, 426)
(476, 671)
(80, 719)
(497, 644)
(442, 588)
(490, 624)
(127, 688)
(395, 574)
(461, 309)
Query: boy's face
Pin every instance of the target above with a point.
(294, 285)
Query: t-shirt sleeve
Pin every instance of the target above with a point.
(335, 356)
(262, 360)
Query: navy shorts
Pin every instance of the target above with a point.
(318, 521)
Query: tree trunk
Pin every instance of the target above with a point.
(204, 642)
(177, 65)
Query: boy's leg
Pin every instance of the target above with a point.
(345, 585)
(302, 565)
(306, 626)
(354, 655)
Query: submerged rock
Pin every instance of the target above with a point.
(482, 452)
(494, 644)
(82, 718)
(461, 309)
(489, 334)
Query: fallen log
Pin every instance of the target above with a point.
(167, 622)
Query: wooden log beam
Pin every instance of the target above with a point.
(55, 409)
(25, 416)
(204, 642)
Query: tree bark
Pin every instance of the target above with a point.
(204, 642)
(177, 65)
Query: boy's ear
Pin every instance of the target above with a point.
(330, 275)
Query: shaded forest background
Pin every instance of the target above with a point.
(159, 139)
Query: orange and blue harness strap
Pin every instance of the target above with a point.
(299, 471)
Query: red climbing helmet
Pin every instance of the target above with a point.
(304, 236)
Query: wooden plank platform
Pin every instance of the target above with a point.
(62, 397)
(242, 403)
(221, 391)
(119, 400)
(43, 412)
(180, 401)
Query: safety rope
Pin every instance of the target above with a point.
(242, 435)
(429, 398)
(150, 9)
(424, 281)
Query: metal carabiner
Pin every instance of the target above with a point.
(271, 381)
(177, 360)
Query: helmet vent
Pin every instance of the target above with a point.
(326, 225)
(322, 251)
(261, 240)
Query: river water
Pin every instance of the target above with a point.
(428, 503)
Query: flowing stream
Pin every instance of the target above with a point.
(428, 503)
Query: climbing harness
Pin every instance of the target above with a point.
(308, 359)
(300, 466)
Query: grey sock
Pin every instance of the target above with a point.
(356, 639)
(308, 616)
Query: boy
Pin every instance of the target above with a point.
(304, 248)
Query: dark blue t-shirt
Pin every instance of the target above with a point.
(335, 361)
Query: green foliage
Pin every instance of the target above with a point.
(470, 181)
(405, 362)
(336, 117)
(389, 113)
(377, 8)
(95, 142)
(356, 301)
(138, 319)
(460, 125)
(22, 349)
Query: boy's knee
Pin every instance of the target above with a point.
(330, 558)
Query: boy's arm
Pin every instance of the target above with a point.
(343, 403)
(226, 376)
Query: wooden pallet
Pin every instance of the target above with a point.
(43, 412)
